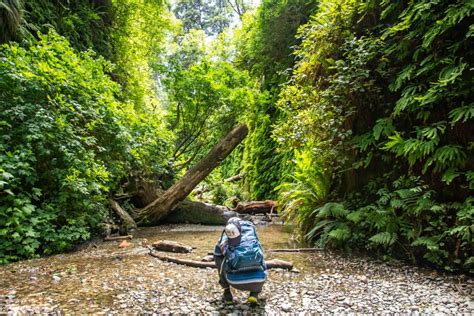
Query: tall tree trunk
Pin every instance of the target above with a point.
(153, 212)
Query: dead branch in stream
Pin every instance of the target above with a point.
(171, 246)
(126, 219)
(271, 264)
(114, 238)
(296, 250)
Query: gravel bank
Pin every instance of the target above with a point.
(107, 280)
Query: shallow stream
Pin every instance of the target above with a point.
(103, 278)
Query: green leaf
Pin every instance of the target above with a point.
(340, 234)
(461, 114)
(384, 238)
(449, 175)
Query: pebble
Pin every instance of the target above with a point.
(286, 307)
(244, 307)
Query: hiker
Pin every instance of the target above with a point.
(239, 259)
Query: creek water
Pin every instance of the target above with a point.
(101, 278)
(203, 238)
(95, 277)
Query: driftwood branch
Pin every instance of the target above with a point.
(271, 264)
(296, 250)
(236, 178)
(114, 238)
(289, 250)
(190, 263)
(171, 246)
(279, 264)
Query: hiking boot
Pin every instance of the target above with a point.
(227, 297)
(253, 299)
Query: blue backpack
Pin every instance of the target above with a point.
(248, 255)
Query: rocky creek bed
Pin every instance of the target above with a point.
(104, 279)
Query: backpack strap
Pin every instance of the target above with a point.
(217, 248)
(222, 235)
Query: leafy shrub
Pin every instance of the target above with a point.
(403, 221)
(65, 143)
(264, 47)
(308, 188)
(385, 86)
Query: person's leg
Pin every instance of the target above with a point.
(218, 260)
(227, 296)
(254, 289)
(253, 298)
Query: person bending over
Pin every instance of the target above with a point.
(240, 261)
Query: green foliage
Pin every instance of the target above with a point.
(265, 167)
(266, 39)
(210, 16)
(383, 89)
(301, 197)
(207, 97)
(10, 19)
(264, 47)
(66, 141)
(405, 221)
(140, 28)
(129, 33)
(86, 24)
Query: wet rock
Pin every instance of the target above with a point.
(286, 307)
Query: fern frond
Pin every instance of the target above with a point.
(384, 239)
(340, 234)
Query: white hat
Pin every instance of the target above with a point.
(233, 233)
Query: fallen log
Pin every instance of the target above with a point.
(279, 264)
(114, 238)
(125, 218)
(187, 211)
(271, 264)
(171, 246)
(296, 250)
(154, 211)
(199, 213)
(236, 178)
(256, 207)
(190, 263)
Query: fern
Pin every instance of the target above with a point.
(431, 243)
(461, 114)
(340, 234)
(385, 239)
(11, 12)
(336, 210)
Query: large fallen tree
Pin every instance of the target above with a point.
(166, 202)
(192, 212)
